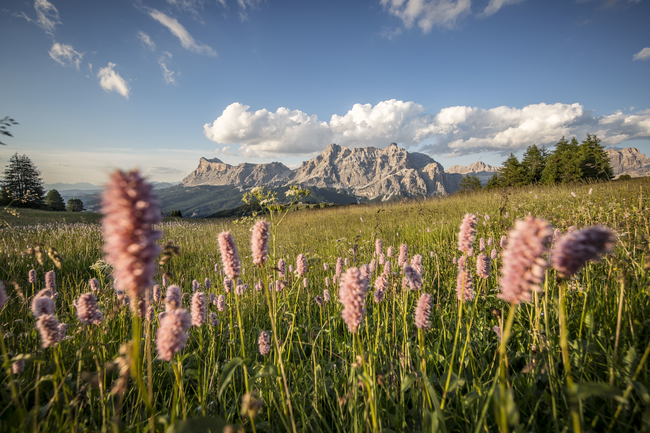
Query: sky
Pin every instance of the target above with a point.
(155, 85)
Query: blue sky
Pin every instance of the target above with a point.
(156, 85)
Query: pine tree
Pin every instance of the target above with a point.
(22, 183)
(563, 165)
(533, 163)
(594, 161)
(512, 173)
(54, 201)
(469, 183)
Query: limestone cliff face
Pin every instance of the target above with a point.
(365, 172)
(370, 172)
(215, 172)
(629, 161)
(482, 170)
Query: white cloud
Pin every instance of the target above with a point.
(177, 29)
(244, 4)
(111, 81)
(146, 40)
(163, 171)
(168, 75)
(65, 55)
(47, 16)
(454, 130)
(644, 54)
(495, 5)
(226, 151)
(428, 13)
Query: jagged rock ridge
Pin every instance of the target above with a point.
(482, 170)
(629, 161)
(365, 172)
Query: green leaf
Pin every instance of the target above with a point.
(470, 398)
(408, 382)
(587, 389)
(226, 374)
(642, 392)
(269, 370)
(198, 425)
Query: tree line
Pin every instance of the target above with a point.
(569, 162)
(22, 186)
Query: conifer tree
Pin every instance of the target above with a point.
(54, 201)
(22, 184)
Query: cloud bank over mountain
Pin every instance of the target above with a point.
(452, 131)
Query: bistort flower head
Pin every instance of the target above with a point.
(42, 304)
(464, 289)
(467, 233)
(301, 265)
(87, 311)
(172, 334)
(48, 328)
(31, 276)
(130, 212)
(523, 266)
(173, 297)
(199, 309)
(50, 281)
(483, 266)
(403, 255)
(259, 242)
(577, 248)
(352, 294)
(423, 311)
(264, 343)
(229, 256)
(414, 278)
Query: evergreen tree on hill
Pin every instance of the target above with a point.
(533, 163)
(469, 183)
(564, 163)
(22, 184)
(54, 201)
(75, 205)
(594, 161)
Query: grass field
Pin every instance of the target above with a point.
(387, 376)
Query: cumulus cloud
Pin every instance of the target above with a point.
(226, 151)
(644, 54)
(47, 16)
(168, 75)
(65, 55)
(111, 81)
(177, 29)
(428, 13)
(453, 131)
(146, 40)
(495, 5)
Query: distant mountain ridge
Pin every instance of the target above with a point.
(369, 173)
(629, 161)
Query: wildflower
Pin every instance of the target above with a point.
(493, 254)
(575, 249)
(347, 262)
(573, 194)
(214, 321)
(390, 251)
(62, 328)
(240, 289)
(327, 281)
(229, 256)
(264, 343)
(18, 366)
(507, 215)
(250, 405)
(379, 246)
(42, 305)
(207, 283)
(48, 328)
(221, 303)
(591, 190)
(378, 296)
(50, 281)
(483, 266)
(216, 268)
(94, 284)
(336, 279)
(165, 282)
(504, 241)
(382, 259)
(416, 263)
(454, 261)
(372, 266)
(319, 300)
(523, 265)
(490, 242)
(339, 266)
(414, 277)
(227, 285)
(281, 268)
(156, 293)
(150, 314)
(326, 295)
(31, 276)
(352, 294)
(173, 298)
(497, 330)
(259, 242)
(481, 245)
(301, 265)
(87, 311)
(325, 266)
(130, 212)
(304, 283)
(467, 233)
(387, 267)
(172, 334)
(403, 255)
(461, 262)
(423, 311)
(279, 286)
(199, 309)
(464, 290)
(365, 271)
